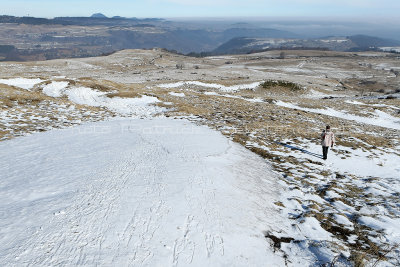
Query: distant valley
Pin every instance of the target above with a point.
(355, 43)
(28, 38)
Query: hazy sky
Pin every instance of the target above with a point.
(203, 8)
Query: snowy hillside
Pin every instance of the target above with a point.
(149, 158)
(135, 192)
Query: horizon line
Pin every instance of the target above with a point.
(286, 18)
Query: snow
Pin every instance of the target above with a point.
(381, 118)
(381, 165)
(312, 229)
(318, 94)
(298, 69)
(157, 192)
(55, 89)
(224, 88)
(253, 100)
(212, 93)
(353, 102)
(334, 40)
(88, 96)
(23, 83)
(390, 49)
(391, 226)
(343, 220)
(362, 163)
(138, 106)
(177, 94)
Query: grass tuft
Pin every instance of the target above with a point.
(279, 83)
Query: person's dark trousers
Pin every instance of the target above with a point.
(325, 152)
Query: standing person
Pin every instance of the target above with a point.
(327, 140)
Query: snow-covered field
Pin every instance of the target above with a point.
(137, 106)
(220, 87)
(381, 118)
(167, 192)
(157, 192)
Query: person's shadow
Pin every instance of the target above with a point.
(300, 149)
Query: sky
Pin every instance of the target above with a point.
(364, 9)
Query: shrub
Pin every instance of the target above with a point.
(286, 84)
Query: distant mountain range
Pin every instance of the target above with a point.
(345, 44)
(96, 35)
(98, 15)
(95, 19)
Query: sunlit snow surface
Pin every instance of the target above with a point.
(158, 192)
(23, 83)
(177, 94)
(381, 118)
(221, 87)
(87, 96)
(138, 106)
(55, 89)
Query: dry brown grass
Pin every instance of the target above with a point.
(3, 133)
(9, 96)
(97, 85)
(279, 203)
(188, 109)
